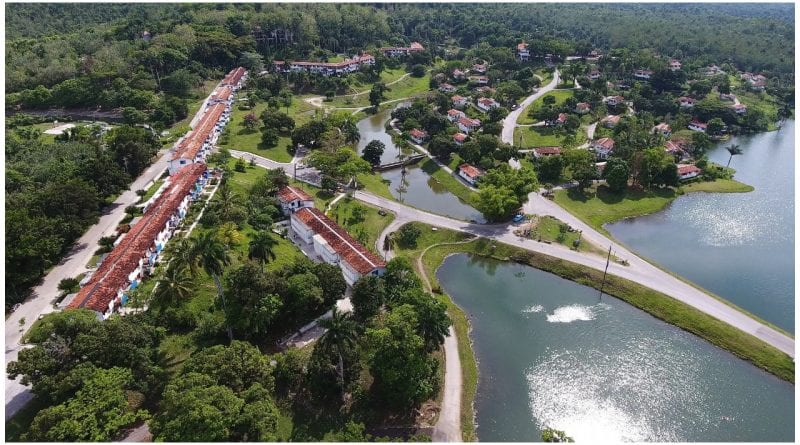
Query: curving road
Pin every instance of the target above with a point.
(638, 270)
(510, 122)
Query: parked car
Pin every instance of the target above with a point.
(518, 217)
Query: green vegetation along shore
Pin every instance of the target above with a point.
(598, 205)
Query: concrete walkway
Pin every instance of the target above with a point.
(510, 122)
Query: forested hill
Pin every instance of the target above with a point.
(747, 35)
(753, 36)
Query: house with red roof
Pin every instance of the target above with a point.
(447, 88)
(688, 171)
(614, 100)
(676, 148)
(334, 245)
(686, 102)
(235, 78)
(663, 128)
(467, 125)
(196, 144)
(395, 51)
(459, 138)
(139, 249)
(487, 104)
(523, 53)
(480, 80)
(459, 74)
(611, 121)
(642, 74)
(293, 198)
(739, 108)
(454, 115)
(594, 74)
(562, 118)
(346, 66)
(479, 68)
(541, 152)
(696, 125)
(602, 147)
(418, 136)
(674, 65)
(470, 173)
(459, 101)
(582, 108)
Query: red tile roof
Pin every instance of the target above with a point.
(348, 249)
(234, 76)
(471, 171)
(460, 137)
(698, 124)
(289, 194)
(548, 150)
(688, 168)
(112, 275)
(191, 144)
(606, 143)
(582, 106)
(455, 113)
(417, 133)
(467, 122)
(522, 46)
(222, 93)
(458, 98)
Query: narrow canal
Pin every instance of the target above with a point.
(737, 245)
(551, 353)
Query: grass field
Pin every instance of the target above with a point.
(543, 137)
(598, 205)
(718, 186)
(560, 95)
(410, 86)
(451, 183)
(367, 227)
(242, 139)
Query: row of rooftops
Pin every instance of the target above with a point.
(414, 47)
(346, 247)
(355, 60)
(191, 144)
(114, 272)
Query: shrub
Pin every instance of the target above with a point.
(407, 235)
(68, 285)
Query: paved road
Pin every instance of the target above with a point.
(510, 122)
(638, 270)
(73, 264)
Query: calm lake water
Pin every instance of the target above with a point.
(421, 190)
(737, 245)
(552, 354)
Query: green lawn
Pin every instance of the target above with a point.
(242, 139)
(560, 95)
(597, 205)
(410, 86)
(544, 137)
(367, 229)
(546, 75)
(452, 184)
(718, 186)
(152, 190)
(374, 183)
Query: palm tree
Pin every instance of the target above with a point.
(350, 131)
(339, 337)
(226, 200)
(175, 285)
(262, 247)
(734, 150)
(212, 256)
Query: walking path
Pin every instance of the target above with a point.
(317, 101)
(510, 122)
(638, 270)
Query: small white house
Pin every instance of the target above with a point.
(459, 138)
(447, 88)
(459, 101)
(467, 125)
(696, 125)
(418, 136)
(582, 108)
(614, 100)
(293, 198)
(470, 173)
(688, 171)
(487, 104)
(603, 147)
(642, 74)
(663, 128)
(454, 115)
(686, 102)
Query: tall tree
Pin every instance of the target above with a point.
(262, 247)
(733, 150)
(212, 256)
(340, 337)
(373, 151)
(175, 285)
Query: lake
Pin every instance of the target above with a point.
(551, 353)
(417, 188)
(737, 245)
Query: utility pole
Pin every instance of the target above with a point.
(608, 260)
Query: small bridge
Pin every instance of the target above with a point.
(410, 160)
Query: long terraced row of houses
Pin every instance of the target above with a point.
(135, 253)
